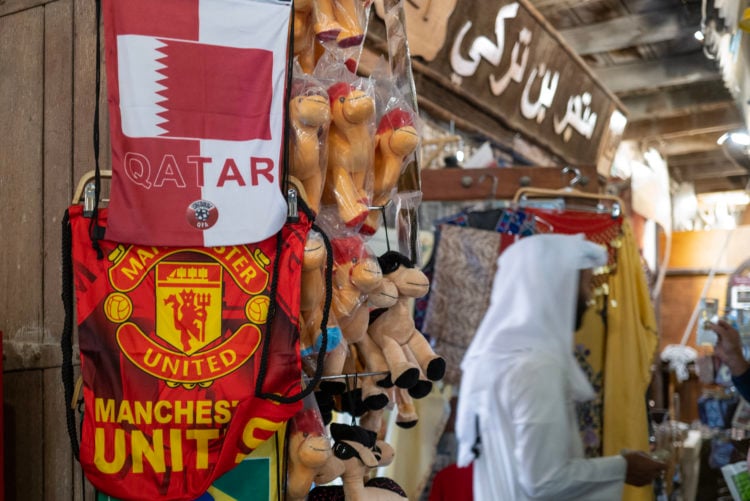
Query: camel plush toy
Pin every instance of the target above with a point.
(304, 36)
(396, 138)
(308, 451)
(357, 277)
(394, 331)
(359, 451)
(311, 311)
(350, 152)
(309, 114)
(339, 20)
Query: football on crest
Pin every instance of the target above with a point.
(118, 307)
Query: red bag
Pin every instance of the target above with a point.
(180, 348)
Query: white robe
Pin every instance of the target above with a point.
(520, 380)
(530, 445)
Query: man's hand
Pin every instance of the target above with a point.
(729, 347)
(642, 470)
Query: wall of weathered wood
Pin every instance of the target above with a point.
(47, 70)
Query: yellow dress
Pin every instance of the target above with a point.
(631, 345)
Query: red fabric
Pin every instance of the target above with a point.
(196, 120)
(171, 342)
(598, 228)
(453, 484)
(212, 89)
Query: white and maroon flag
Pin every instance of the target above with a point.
(196, 102)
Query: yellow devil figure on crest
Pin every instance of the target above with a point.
(188, 304)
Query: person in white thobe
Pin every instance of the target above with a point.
(520, 380)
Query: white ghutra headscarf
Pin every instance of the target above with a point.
(532, 308)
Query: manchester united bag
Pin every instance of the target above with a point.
(189, 356)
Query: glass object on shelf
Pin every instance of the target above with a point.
(708, 313)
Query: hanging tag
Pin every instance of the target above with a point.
(89, 199)
(291, 199)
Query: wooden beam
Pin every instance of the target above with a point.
(629, 31)
(709, 165)
(476, 184)
(713, 156)
(702, 172)
(667, 72)
(557, 5)
(715, 120)
(690, 143)
(696, 97)
(720, 184)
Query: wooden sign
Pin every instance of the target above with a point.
(503, 57)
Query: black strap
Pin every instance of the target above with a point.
(323, 323)
(477, 447)
(262, 371)
(287, 100)
(96, 232)
(66, 340)
(279, 470)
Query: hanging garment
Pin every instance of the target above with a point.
(631, 346)
(589, 351)
(196, 94)
(460, 290)
(453, 484)
(507, 221)
(189, 357)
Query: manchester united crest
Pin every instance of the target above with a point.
(189, 343)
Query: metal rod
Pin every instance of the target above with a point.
(354, 375)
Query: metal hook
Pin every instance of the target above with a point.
(578, 178)
(495, 181)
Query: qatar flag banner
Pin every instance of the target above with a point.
(174, 342)
(196, 102)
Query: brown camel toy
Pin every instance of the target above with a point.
(394, 331)
(350, 152)
(311, 311)
(339, 20)
(304, 36)
(359, 451)
(309, 114)
(396, 138)
(308, 451)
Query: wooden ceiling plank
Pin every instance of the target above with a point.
(710, 121)
(666, 72)
(711, 171)
(710, 156)
(688, 143)
(720, 184)
(629, 31)
(676, 101)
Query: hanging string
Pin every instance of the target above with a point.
(385, 227)
(350, 395)
(382, 209)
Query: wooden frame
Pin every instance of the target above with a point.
(450, 184)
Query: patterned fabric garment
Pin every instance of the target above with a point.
(508, 221)
(460, 290)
